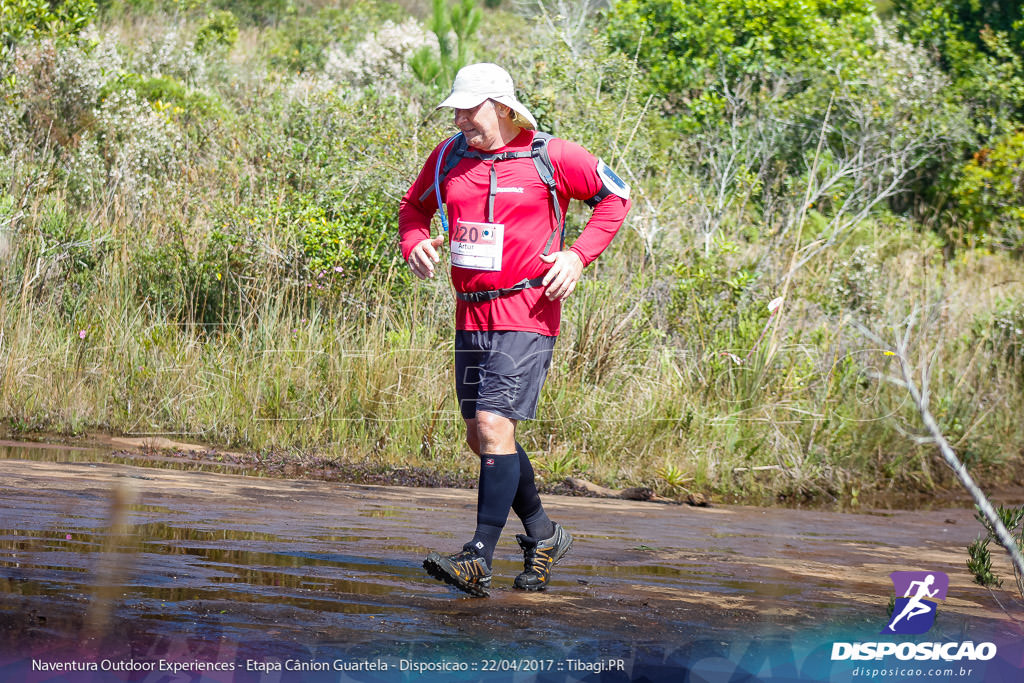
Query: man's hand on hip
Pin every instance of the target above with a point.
(561, 279)
(423, 257)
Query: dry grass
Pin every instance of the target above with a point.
(669, 373)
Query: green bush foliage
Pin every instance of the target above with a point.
(950, 26)
(26, 20)
(714, 298)
(688, 47)
(979, 45)
(988, 194)
(302, 42)
(191, 108)
(219, 29)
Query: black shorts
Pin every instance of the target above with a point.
(501, 372)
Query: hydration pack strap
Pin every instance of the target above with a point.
(491, 194)
(541, 160)
(546, 171)
(493, 180)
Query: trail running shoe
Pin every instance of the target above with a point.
(465, 570)
(540, 556)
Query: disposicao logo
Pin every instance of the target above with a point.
(914, 613)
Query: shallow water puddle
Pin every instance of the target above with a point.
(128, 556)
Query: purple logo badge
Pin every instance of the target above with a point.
(916, 596)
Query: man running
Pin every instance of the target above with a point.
(503, 188)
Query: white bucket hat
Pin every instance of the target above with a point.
(478, 82)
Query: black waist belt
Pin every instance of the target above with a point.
(491, 294)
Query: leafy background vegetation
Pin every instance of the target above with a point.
(198, 233)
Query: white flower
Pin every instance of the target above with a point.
(382, 57)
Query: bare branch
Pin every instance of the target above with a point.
(980, 500)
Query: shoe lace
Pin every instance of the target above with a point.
(467, 560)
(464, 556)
(538, 559)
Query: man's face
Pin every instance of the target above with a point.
(480, 125)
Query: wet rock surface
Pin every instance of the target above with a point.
(119, 558)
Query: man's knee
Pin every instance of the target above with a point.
(493, 430)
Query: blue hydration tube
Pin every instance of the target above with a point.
(437, 185)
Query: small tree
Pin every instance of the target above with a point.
(462, 20)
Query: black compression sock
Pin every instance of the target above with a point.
(526, 504)
(499, 479)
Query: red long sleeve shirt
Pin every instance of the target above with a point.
(523, 205)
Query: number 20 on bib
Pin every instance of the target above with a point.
(478, 245)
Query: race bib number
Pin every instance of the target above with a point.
(477, 245)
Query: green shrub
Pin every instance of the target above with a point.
(304, 246)
(24, 20)
(56, 93)
(989, 194)
(938, 23)
(164, 92)
(686, 46)
(348, 239)
(980, 45)
(192, 111)
(219, 30)
(715, 303)
(106, 128)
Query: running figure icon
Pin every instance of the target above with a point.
(916, 605)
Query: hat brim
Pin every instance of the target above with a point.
(464, 100)
(525, 118)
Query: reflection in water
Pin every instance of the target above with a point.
(217, 564)
(70, 454)
(385, 512)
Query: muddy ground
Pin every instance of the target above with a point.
(111, 562)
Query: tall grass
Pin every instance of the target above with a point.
(371, 380)
(244, 289)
